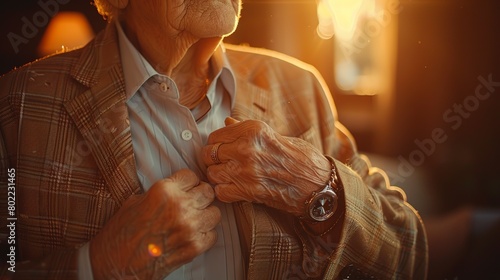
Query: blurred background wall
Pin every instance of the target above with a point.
(419, 87)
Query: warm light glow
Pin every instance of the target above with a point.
(345, 16)
(154, 250)
(342, 17)
(65, 30)
(325, 28)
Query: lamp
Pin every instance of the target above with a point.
(66, 30)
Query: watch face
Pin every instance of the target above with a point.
(323, 206)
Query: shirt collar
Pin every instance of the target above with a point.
(137, 70)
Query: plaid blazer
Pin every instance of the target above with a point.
(64, 128)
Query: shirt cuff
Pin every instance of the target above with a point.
(84, 265)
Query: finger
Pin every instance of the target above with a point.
(209, 218)
(202, 195)
(232, 132)
(218, 174)
(229, 121)
(183, 179)
(217, 151)
(230, 193)
(229, 133)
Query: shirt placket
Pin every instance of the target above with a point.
(181, 126)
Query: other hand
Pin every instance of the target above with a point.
(154, 233)
(259, 165)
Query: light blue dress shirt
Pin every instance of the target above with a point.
(167, 138)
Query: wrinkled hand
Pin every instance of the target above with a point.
(154, 233)
(259, 165)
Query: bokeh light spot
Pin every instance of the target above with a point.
(154, 250)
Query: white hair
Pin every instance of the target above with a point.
(106, 9)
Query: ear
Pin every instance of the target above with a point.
(119, 4)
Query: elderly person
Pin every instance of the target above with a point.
(156, 152)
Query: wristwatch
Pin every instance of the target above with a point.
(322, 205)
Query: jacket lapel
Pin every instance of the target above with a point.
(100, 113)
(260, 234)
(251, 101)
(255, 101)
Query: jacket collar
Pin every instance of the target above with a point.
(101, 116)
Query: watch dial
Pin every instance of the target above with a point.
(323, 206)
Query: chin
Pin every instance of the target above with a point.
(229, 29)
(217, 29)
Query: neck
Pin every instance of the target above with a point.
(193, 74)
(181, 56)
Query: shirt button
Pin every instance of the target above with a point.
(164, 87)
(187, 135)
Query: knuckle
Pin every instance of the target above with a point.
(202, 188)
(208, 191)
(260, 125)
(201, 196)
(213, 214)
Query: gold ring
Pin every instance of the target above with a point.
(214, 153)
